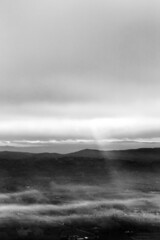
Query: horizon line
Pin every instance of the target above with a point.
(85, 149)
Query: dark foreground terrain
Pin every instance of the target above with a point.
(84, 195)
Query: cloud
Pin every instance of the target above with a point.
(65, 135)
(79, 60)
(76, 51)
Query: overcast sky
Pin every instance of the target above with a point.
(81, 73)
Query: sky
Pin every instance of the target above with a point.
(79, 74)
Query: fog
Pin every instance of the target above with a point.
(130, 212)
(79, 203)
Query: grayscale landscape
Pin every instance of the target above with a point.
(80, 119)
(90, 193)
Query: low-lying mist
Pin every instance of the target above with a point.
(66, 203)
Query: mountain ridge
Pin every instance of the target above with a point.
(83, 151)
(19, 170)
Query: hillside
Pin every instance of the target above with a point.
(111, 194)
(19, 169)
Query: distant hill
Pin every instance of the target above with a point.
(18, 169)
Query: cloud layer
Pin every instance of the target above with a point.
(78, 60)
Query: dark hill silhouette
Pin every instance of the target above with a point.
(87, 166)
(90, 153)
